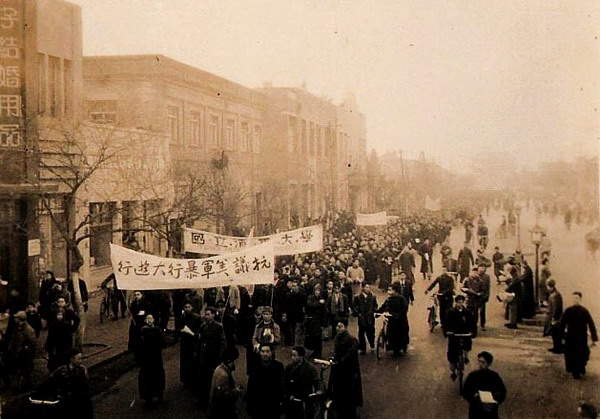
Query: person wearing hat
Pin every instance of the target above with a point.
(21, 350)
(553, 315)
(458, 321)
(224, 393)
(266, 332)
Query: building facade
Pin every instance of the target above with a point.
(40, 59)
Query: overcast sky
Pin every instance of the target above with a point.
(451, 78)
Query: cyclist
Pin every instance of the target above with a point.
(458, 321)
(445, 283)
(398, 327)
(300, 380)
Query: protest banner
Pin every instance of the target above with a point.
(302, 240)
(140, 271)
(376, 219)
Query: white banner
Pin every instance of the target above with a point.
(302, 240)
(392, 218)
(140, 271)
(376, 219)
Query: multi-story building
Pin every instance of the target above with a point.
(210, 122)
(40, 60)
(316, 151)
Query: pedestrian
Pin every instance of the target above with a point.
(407, 262)
(20, 351)
(365, 307)
(338, 308)
(529, 303)
(212, 344)
(484, 389)
(266, 332)
(33, 319)
(498, 261)
(83, 293)
(553, 316)
(71, 383)
(138, 309)
(224, 393)
(587, 410)
(398, 327)
(116, 297)
(62, 326)
(465, 260)
(345, 383)
(575, 323)
(515, 288)
(300, 381)
(356, 275)
(44, 296)
(151, 378)
(190, 323)
(316, 312)
(545, 275)
(265, 387)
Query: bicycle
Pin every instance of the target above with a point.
(432, 311)
(318, 404)
(462, 357)
(381, 344)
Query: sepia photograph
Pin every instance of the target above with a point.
(299, 209)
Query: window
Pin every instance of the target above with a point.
(292, 134)
(102, 111)
(230, 134)
(311, 144)
(303, 136)
(54, 85)
(173, 124)
(257, 139)
(41, 83)
(67, 86)
(195, 128)
(245, 140)
(213, 131)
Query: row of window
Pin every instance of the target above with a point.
(314, 139)
(206, 129)
(54, 85)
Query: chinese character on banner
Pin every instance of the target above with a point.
(158, 267)
(10, 105)
(286, 239)
(8, 17)
(263, 263)
(124, 267)
(10, 135)
(207, 267)
(197, 238)
(221, 266)
(192, 269)
(9, 76)
(240, 266)
(142, 269)
(306, 236)
(9, 48)
(175, 270)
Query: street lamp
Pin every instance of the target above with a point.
(537, 233)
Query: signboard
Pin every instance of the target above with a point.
(376, 219)
(33, 247)
(302, 240)
(140, 271)
(11, 73)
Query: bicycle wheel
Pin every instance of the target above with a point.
(380, 349)
(431, 319)
(103, 311)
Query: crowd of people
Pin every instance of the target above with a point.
(313, 299)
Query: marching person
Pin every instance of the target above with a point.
(345, 384)
(211, 346)
(398, 326)
(553, 316)
(190, 326)
(265, 387)
(224, 392)
(465, 260)
(498, 261)
(459, 321)
(338, 307)
(365, 307)
(480, 381)
(20, 352)
(316, 312)
(151, 379)
(406, 288)
(267, 332)
(575, 323)
(138, 309)
(407, 262)
(300, 380)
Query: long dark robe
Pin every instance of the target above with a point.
(576, 320)
(345, 383)
(265, 390)
(188, 348)
(528, 304)
(483, 380)
(398, 327)
(151, 380)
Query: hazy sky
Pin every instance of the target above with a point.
(451, 78)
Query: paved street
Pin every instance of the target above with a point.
(418, 385)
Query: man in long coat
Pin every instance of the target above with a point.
(345, 384)
(265, 387)
(553, 315)
(465, 260)
(575, 322)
